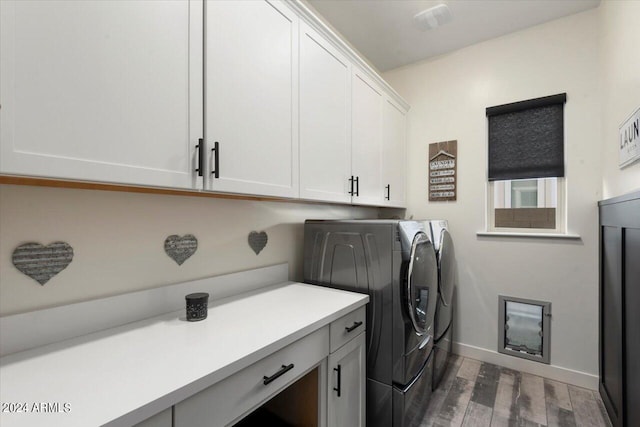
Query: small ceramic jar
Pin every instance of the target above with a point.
(197, 306)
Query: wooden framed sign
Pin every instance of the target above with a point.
(630, 139)
(443, 171)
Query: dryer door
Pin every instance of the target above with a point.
(422, 284)
(446, 265)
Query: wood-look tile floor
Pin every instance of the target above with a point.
(478, 394)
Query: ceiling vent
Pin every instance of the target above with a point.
(433, 17)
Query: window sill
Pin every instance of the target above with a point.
(534, 235)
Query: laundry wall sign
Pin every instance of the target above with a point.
(629, 139)
(443, 171)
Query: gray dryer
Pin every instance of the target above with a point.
(444, 308)
(394, 262)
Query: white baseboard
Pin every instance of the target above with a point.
(569, 376)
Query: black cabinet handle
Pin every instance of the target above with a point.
(200, 148)
(216, 160)
(357, 186)
(388, 192)
(352, 327)
(339, 387)
(351, 192)
(282, 371)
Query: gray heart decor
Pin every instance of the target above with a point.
(179, 248)
(41, 262)
(258, 241)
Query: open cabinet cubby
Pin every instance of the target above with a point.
(295, 406)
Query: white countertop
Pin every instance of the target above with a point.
(123, 375)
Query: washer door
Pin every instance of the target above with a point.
(422, 284)
(446, 258)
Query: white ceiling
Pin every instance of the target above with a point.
(384, 30)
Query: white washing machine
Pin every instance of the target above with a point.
(443, 244)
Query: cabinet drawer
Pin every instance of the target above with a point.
(235, 396)
(347, 327)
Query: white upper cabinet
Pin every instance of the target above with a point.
(394, 159)
(366, 133)
(325, 119)
(101, 90)
(251, 97)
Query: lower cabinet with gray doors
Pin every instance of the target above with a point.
(346, 400)
(346, 391)
(619, 314)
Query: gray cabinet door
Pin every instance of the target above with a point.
(611, 320)
(346, 398)
(632, 321)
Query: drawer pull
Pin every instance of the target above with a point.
(354, 326)
(339, 371)
(283, 370)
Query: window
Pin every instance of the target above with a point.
(526, 166)
(525, 204)
(524, 194)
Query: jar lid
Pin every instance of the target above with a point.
(197, 297)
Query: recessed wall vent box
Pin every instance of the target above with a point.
(524, 328)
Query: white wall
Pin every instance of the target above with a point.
(620, 62)
(118, 239)
(448, 96)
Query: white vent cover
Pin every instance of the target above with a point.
(433, 17)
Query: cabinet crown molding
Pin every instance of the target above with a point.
(312, 19)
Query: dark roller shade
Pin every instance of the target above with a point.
(526, 139)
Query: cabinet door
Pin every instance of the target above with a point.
(631, 320)
(611, 321)
(325, 125)
(100, 91)
(366, 145)
(251, 97)
(394, 164)
(346, 385)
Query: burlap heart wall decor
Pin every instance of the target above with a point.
(40, 262)
(179, 248)
(258, 241)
